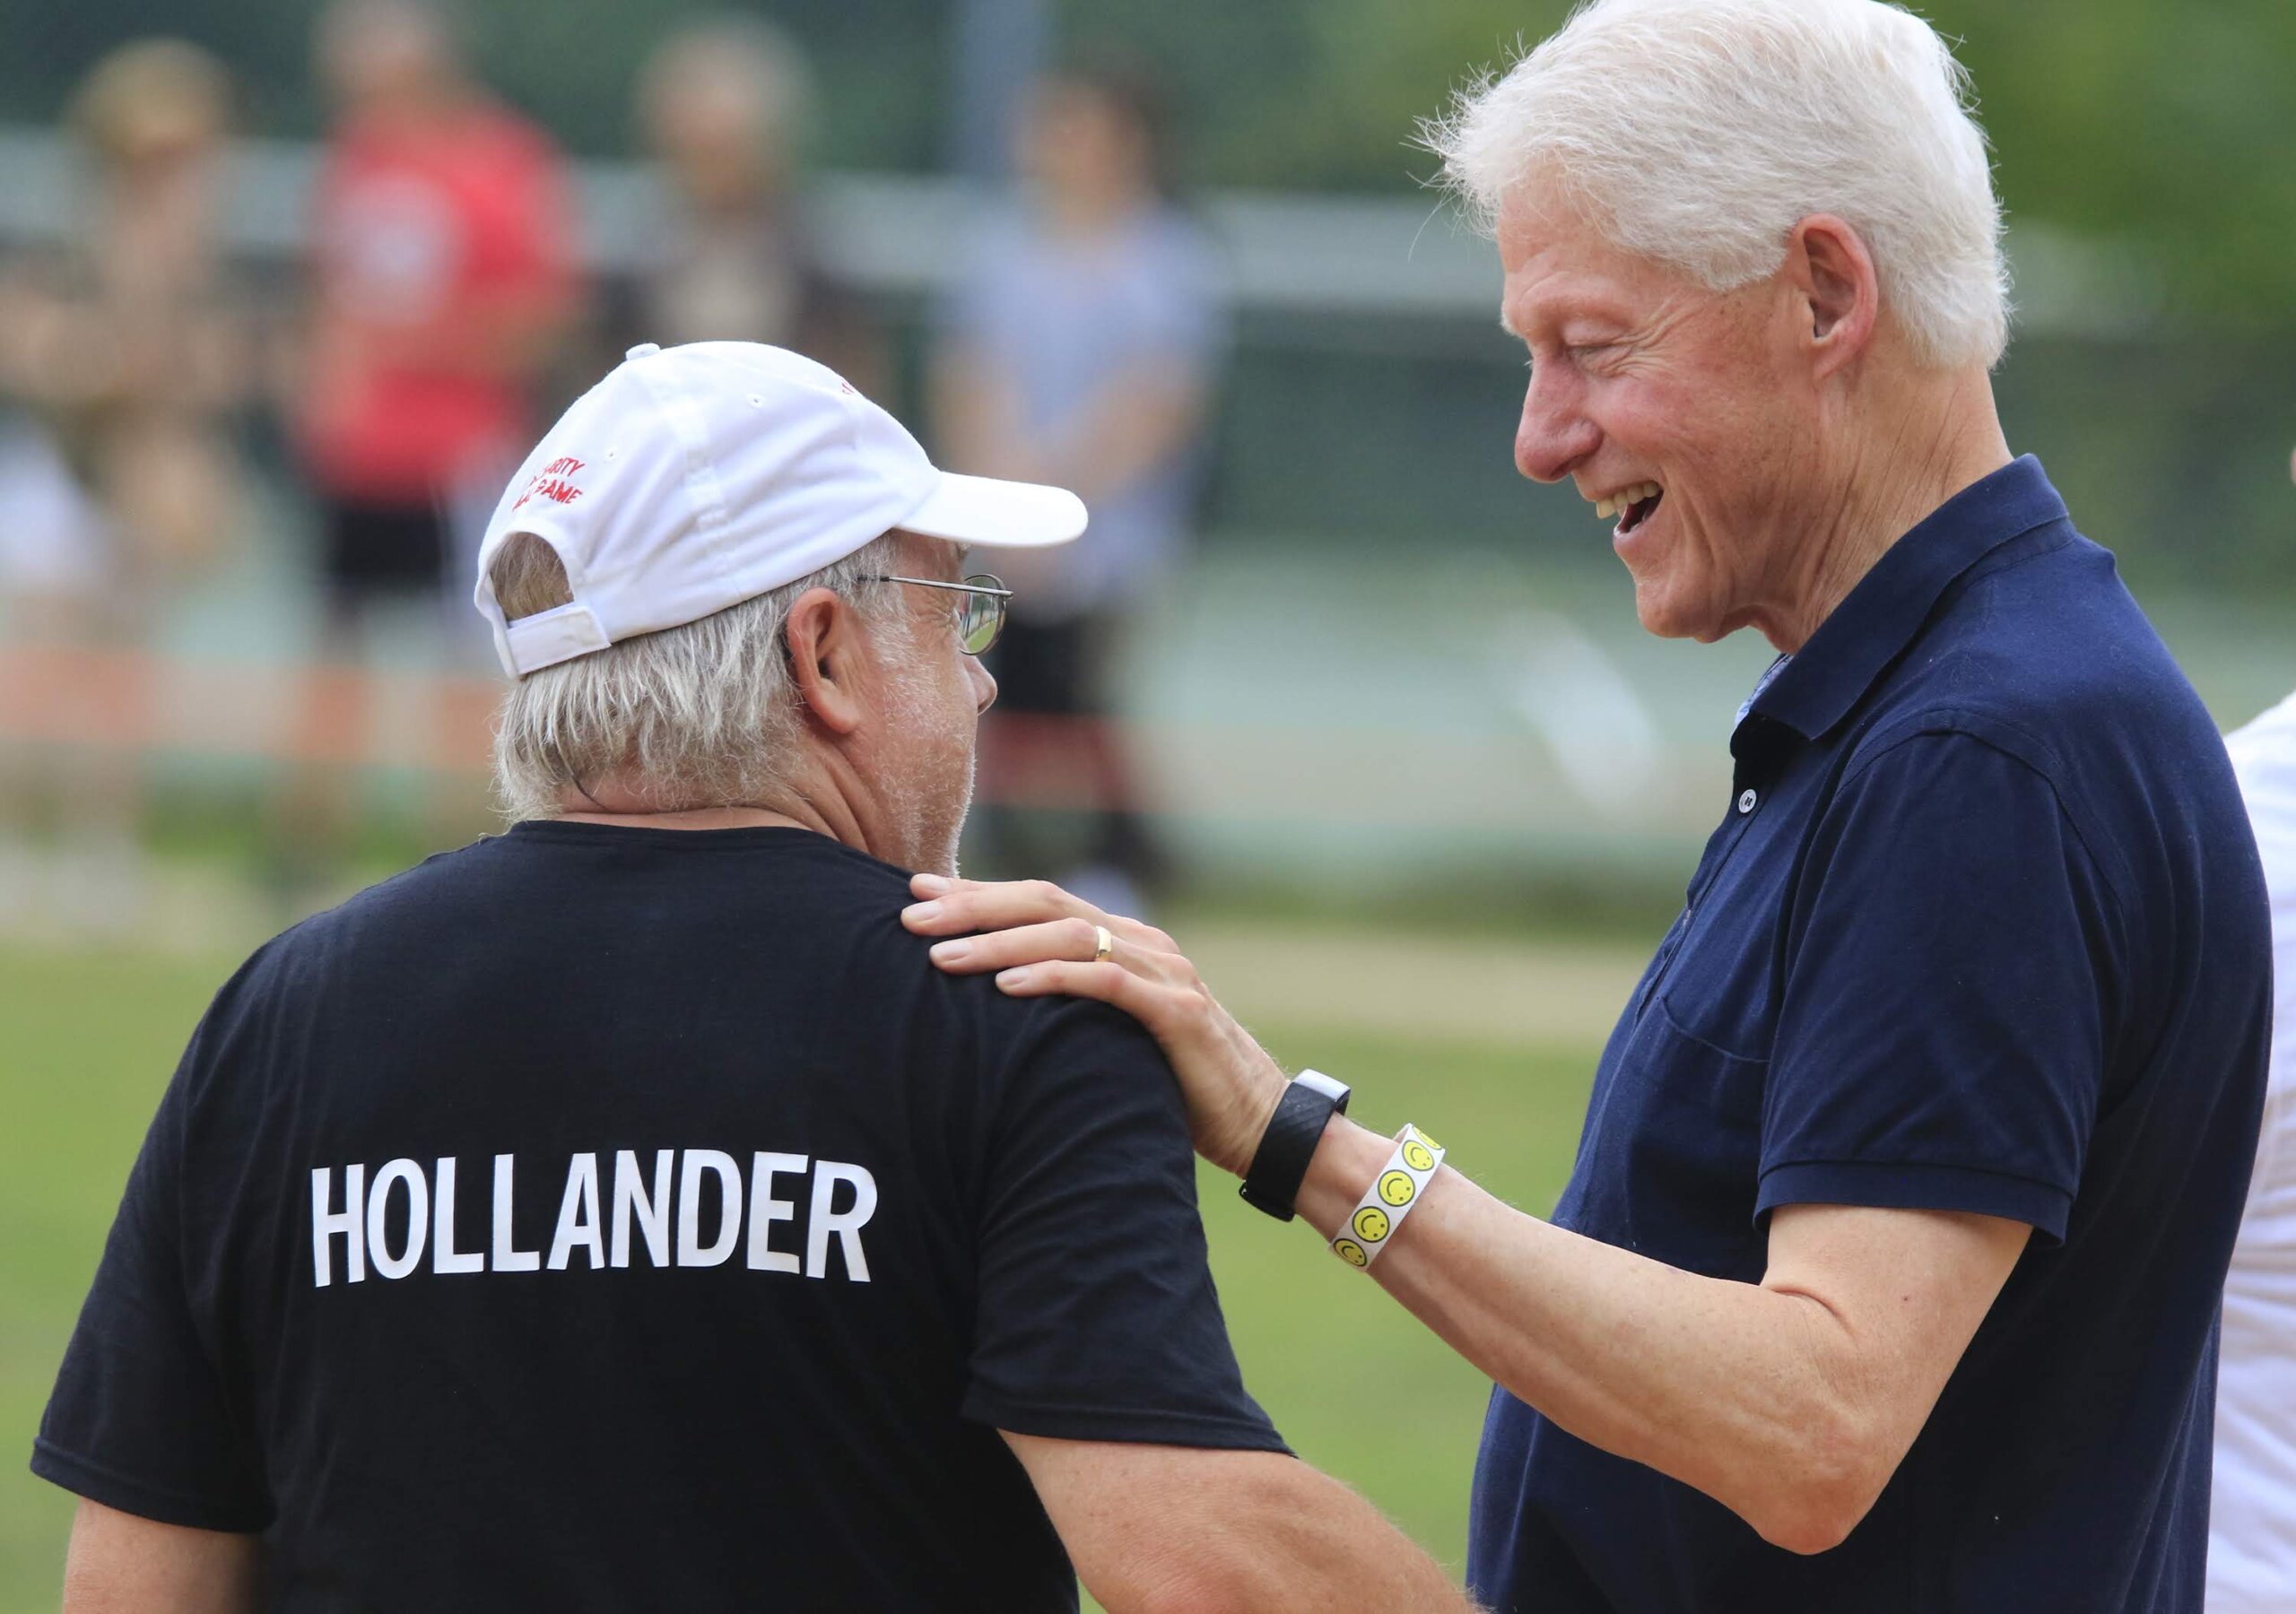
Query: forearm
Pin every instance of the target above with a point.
(976, 419)
(1736, 1389)
(120, 1564)
(1302, 1541)
(1138, 423)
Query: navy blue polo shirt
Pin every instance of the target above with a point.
(1982, 929)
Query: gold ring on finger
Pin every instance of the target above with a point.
(1103, 943)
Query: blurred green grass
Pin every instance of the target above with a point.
(87, 1040)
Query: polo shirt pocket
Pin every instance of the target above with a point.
(1685, 1139)
(1698, 1068)
(1695, 1152)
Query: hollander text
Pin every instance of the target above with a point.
(390, 1221)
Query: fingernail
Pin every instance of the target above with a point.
(922, 912)
(951, 952)
(928, 885)
(1013, 977)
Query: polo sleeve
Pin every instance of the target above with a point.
(140, 1419)
(1097, 1318)
(1948, 983)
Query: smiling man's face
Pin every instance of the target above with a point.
(1682, 414)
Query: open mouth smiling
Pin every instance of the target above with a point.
(1634, 505)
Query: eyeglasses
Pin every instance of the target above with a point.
(980, 619)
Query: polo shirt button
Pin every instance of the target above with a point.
(1746, 800)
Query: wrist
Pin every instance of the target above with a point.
(1347, 1158)
(1237, 1160)
(1288, 1136)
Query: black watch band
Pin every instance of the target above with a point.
(1280, 1163)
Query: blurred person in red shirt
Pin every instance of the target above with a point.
(442, 286)
(725, 105)
(442, 289)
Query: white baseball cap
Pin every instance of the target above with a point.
(693, 478)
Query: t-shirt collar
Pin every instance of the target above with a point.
(1818, 686)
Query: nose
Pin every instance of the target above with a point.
(984, 684)
(1553, 434)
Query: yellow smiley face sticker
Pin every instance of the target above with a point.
(1351, 1253)
(1396, 1188)
(1418, 1155)
(1370, 1224)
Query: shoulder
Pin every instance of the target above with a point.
(395, 919)
(2042, 654)
(441, 877)
(2042, 658)
(1068, 1037)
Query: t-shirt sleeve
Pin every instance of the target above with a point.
(1947, 993)
(1097, 1318)
(140, 1419)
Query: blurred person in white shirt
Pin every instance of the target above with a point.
(2252, 1519)
(1083, 341)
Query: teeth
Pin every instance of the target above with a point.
(1604, 509)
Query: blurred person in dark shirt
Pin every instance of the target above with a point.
(724, 105)
(1082, 346)
(441, 284)
(129, 346)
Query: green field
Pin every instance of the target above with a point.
(87, 1041)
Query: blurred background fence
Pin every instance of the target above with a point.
(1391, 662)
(1382, 678)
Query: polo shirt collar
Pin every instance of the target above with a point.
(1817, 687)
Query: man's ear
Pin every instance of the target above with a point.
(822, 640)
(1837, 287)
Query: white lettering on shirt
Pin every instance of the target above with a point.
(508, 1257)
(846, 1224)
(765, 1209)
(841, 1202)
(720, 1164)
(418, 1219)
(351, 1221)
(653, 1210)
(444, 1256)
(577, 1216)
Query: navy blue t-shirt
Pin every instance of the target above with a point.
(612, 1219)
(1982, 929)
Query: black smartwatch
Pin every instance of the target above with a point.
(1280, 1163)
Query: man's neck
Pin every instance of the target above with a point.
(698, 818)
(1897, 480)
(815, 801)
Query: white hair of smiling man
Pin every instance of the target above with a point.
(1697, 133)
(704, 714)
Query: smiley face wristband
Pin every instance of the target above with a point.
(1371, 1225)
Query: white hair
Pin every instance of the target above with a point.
(705, 714)
(1697, 133)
